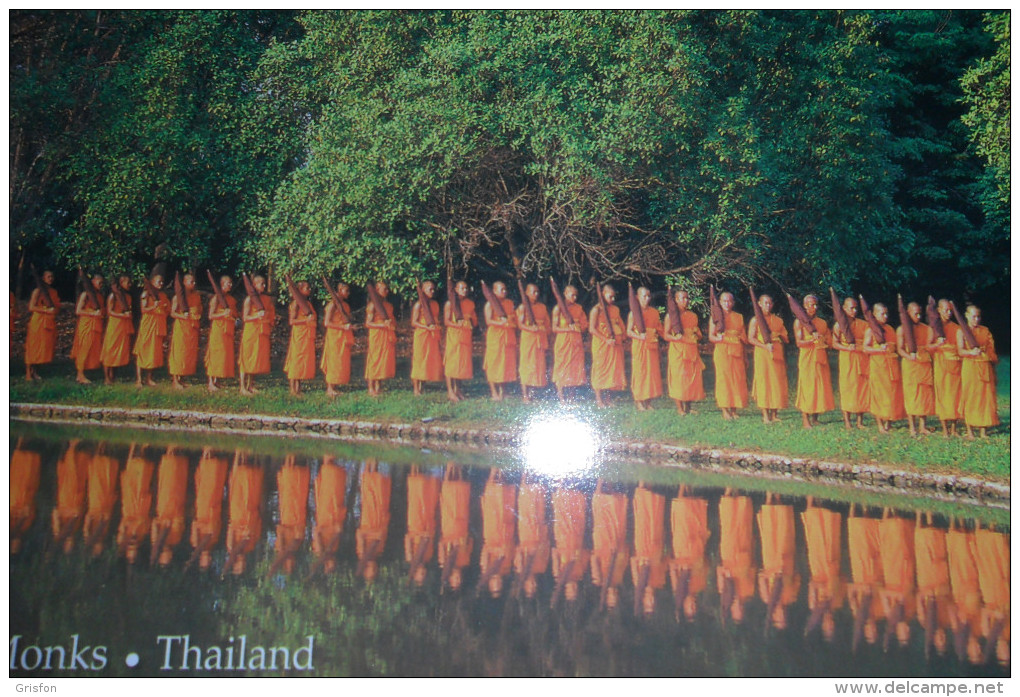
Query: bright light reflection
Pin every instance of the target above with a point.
(558, 445)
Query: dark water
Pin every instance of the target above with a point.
(155, 554)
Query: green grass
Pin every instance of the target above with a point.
(988, 458)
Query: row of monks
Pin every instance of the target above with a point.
(901, 568)
(944, 377)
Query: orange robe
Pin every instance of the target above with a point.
(977, 383)
(426, 354)
(896, 545)
(26, 466)
(330, 507)
(336, 351)
(736, 534)
(183, 358)
(918, 380)
(117, 341)
(219, 352)
(814, 379)
(135, 502)
(454, 515)
(885, 383)
(961, 554)
(992, 552)
(210, 479)
(151, 333)
(102, 493)
(947, 367)
(730, 369)
(932, 565)
(42, 334)
(864, 546)
(854, 393)
(646, 372)
(570, 510)
(534, 346)
(771, 389)
(87, 348)
(823, 531)
(171, 497)
(689, 525)
(381, 360)
(457, 357)
(609, 535)
(422, 502)
(375, 512)
(649, 535)
(606, 358)
(256, 340)
(684, 376)
(292, 483)
(568, 350)
(245, 525)
(500, 363)
(499, 523)
(72, 475)
(532, 530)
(300, 361)
(777, 528)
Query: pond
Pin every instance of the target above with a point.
(149, 553)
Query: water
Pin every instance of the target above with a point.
(146, 553)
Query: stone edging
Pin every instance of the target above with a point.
(966, 489)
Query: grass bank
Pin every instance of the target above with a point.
(988, 458)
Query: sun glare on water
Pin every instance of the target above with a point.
(559, 445)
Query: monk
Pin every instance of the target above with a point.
(864, 546)
(933, 586)
(300, 362)
(26, 468)
(183, 357)
(256, 337)
(965, 618)
(610, 555)
(736, 573)
(778, 580)
(370, 537)
(151, 333)
(947, 367)
(684, 376)
(339, 343)
(770, 389)
(896, 546)
(292, 483)
(210, 479)
(119, 328)
(135, 504)
(330, 513)
(499, 518)
(646, 372)
(814, 379)
(606, 351)
(454, 514)
(531, 556)
(457, 357)
(728, 358)
(69, 512)
(534, 344)
(885, 384)
(422, 507)
(87, 348)
(500, 364)
(42, 328)
(823, 530)
(381, 360)
(918, 380)
(977, 376)
(244, 527)
(648, 565)
(569, 556)
(102, 497)
(688, 570)
(171, 497)
(992, 555)
(219, 354)
(568, 349)
(854, 394)
(426, 354)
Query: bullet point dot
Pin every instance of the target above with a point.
(131, 659)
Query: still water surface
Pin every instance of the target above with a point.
(204, 558)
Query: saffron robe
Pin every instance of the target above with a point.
(823, 531)
(568, 349)
(373, 527)
(885, 383)
(256, 340)
(26, 467)
(918, 380)
(336, 351)
(977, 383)
(72, 475)
(117, 341)
(736, 534)
(292, 482)
(606, 358)
(87, 348)
(183, 358)
(422, 524)
(689, 526)
(649, 535)
(381, 359)
(135, 502)
(102, 493)
(151, 333)
(570, 510)
(500, 363)
(219, 352)
(41, 337)
(532, 530)
(961, 554)
(684, 376)
(776, 525)
(210, 479)
(245, 497)
(534, 346)
(814, 379)
(854, 393)
(771, 389)
(454, 516)
(300, 361)
(330, 507)
(171, 497)
(730, 370)
(457, 356)
(947, 368)
(609, 535)
(646, 372)
(499, 523)
(426, 355)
